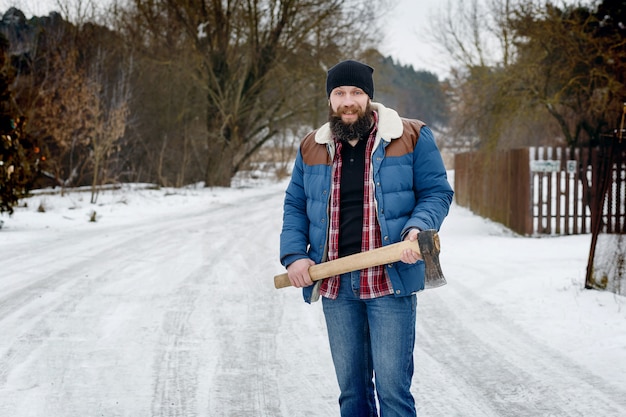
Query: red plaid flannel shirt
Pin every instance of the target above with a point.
(374, 281)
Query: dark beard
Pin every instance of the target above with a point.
(349, 131)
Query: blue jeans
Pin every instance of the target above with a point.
(372, 340)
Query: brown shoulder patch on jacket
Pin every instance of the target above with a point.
(405, 143)
(314, 153)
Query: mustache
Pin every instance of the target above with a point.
(343, 110)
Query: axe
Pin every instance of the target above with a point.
(427, 244)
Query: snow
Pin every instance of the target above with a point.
(165, 306)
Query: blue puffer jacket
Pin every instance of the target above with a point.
(411, 189)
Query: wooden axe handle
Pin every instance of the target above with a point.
(380, 256)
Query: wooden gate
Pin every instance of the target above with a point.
(559, 197)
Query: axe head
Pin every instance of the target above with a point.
(428, 241)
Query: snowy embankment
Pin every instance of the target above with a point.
(165, 307)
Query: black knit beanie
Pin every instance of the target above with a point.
(351, 73)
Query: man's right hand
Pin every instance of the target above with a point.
(298, 273)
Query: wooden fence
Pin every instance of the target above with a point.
(495, 186)
(538, 191)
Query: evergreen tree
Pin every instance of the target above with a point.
(413, 94)
(19, 156)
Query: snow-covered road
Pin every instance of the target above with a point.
(166, 307)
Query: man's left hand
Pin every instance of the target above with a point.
(410, 256)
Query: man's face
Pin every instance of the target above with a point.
(349, 103)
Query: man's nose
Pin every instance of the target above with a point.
(348, 100)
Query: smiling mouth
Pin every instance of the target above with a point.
(349, 117)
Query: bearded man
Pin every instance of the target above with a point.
(365, 179)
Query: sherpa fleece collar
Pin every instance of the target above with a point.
(389, 126)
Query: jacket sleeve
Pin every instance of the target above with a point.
(430, 184)
(294, 237)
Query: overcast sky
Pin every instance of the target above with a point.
(407, 30)
(409, 35)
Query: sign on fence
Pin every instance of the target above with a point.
(545, 166)
(572, 166)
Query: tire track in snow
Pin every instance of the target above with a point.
(181, 348)
(34, 307)
(176, 364)
(246, 372)
(216, 335)
(470, 360)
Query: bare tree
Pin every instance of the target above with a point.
(111, 113)
(477, 37)
(79, 12)
(249, 57)
(465, 29)
(567, 67)
(552, 72)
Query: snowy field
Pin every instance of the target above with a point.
(165, 306)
